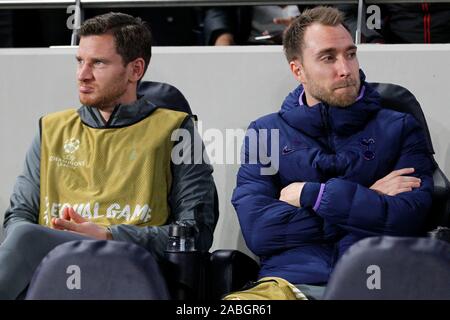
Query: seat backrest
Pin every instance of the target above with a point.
(164, 95)
(98, 269)
(400, 99)
(392, 268)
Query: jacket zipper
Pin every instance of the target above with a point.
(325, 120)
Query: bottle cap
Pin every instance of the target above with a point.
(181, 231)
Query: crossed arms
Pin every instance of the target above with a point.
(273, 218)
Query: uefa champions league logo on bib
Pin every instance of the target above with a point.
(68, 159)
(71, 145)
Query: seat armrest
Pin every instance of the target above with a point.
(440, 210)
(230, 271)
(186, 275)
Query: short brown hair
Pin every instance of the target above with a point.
(132, 36)
(293, 37)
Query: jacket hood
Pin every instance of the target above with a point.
(320, 119)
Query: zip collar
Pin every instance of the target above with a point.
(122, 115)
(322, 120)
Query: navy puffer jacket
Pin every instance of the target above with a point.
(340, 153)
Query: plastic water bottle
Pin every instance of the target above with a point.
(181, 238)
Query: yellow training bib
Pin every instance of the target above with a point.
(108, 175)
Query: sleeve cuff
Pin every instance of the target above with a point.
(114, 232)
(311, 195)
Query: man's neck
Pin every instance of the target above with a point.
(107, 111)
(310, 100)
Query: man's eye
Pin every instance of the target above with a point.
(328, 58)
(80, 62)
(352, 54)
(98, 63)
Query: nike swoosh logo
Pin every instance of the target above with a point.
(286, 150)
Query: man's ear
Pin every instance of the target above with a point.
(137, 68)
(297, 70)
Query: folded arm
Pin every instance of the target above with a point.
(367, 211)
(269, 224)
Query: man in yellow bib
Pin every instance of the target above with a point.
(105, 171)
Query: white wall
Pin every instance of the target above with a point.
(227, 87)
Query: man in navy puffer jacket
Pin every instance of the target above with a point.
(347, 169)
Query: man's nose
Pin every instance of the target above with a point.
(343, 68)
(84, 73)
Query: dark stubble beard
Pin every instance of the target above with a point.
(108, 97)
(330, 97)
